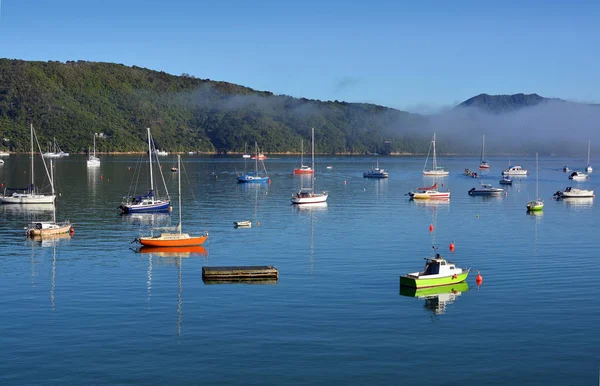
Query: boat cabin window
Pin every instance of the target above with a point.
(432, 269)
(451, 267)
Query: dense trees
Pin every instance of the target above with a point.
(73, 100)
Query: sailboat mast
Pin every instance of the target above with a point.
(483, 148)
(434, 159)
(94, 144)
(150, 160)
(179, 182)
(589, 142)
(256, 159)
(312, 164)
(52, 185)
(31, 132)
(302, 153)
(537, 177)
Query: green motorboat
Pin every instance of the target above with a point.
(437, 272)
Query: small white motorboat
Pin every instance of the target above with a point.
(515, 170)
(570, 192)
(242, 224)
(578, 176)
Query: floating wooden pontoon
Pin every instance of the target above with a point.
(241, 273)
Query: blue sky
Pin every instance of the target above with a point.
(417, 56)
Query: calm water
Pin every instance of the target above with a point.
(89, 309)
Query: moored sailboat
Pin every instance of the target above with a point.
(483, 164)
(303, 169)
(537, 204)
(93, 161)
(256, 175)
(307, 195)
(435, 171)
(49, 228)
(178, 238)
(150, 202)
(28, 195)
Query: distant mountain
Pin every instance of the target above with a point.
(504, 103)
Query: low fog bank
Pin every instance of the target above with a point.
(553, 127)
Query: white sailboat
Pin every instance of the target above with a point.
(54, 151)
(28, 195)
(49, 228)
(589, 168)
(483, 164)
(307, 195)
(93, 161)
(435, 171)
(150, 202)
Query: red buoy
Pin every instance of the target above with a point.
(72, 231)
(452, 246)
(430, 227)
(479, 279)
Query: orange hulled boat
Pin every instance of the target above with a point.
(177, 238)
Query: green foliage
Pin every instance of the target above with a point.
(72, 101)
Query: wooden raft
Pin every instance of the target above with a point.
(255, 272)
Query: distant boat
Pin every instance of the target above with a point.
(256, 175)
(375, 172)
(483, 164)
(304, 169)
(506, 180)
(537, 204)
(259, 156)
(515, 170)
(578, 176)
(242, 224)
(429, 192)
(307, 195)
(54, 151)
(93, 161)
(28, 195)
(246, 155)
(150, 202)
(486, 190)
(589, 168)
(178, 238)
(4, 154)
(435, 171)
(49, 228)
(570, 192)
(162, 153)
(566, 169)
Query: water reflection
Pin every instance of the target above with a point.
(437, 298)
(48, 241)
(578, 203)
(27, 209)
(432, 203)
(147, 219)
(171, 256)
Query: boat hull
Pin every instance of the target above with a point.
(414, 282)
(303, 171)
(475, 192)
(434, 173)
(535, 207)
(309, 199)
(430, 196)
(375, 175)
(173, 241)
(162, 206)
(61, 229)
(250, 179)
(28, 199)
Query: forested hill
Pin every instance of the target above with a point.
(72, 101)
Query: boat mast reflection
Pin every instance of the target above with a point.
(171, 256)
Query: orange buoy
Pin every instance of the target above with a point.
(430, 227)
(72, 231)
(452, 246)
(479, 279)
(101, 177)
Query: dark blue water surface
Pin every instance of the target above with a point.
(89, 309)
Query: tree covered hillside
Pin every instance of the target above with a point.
(73, 100)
